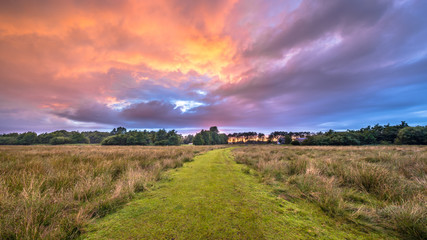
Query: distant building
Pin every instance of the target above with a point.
(264, 139)
(255, 138)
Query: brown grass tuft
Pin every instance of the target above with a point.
(51, 192)
(373, 185)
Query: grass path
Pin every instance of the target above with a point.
(212, 198)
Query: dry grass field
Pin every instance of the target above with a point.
(51, 192)
(380, 187)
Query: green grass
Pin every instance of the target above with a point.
(215, 198)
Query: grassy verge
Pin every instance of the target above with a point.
(380, 187)
(215, 198)
(51, 192)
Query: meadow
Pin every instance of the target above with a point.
(56, 192)
(52, 192)
(382, 188)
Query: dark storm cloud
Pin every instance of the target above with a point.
(314, 19)
(379, 50)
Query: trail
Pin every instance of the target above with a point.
(212, 198)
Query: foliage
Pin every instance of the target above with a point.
(188, 139)
(412, 135)
(57, 137)
(160, 138)
(60, 140)
(96, 136)
(387, 134)
(211, 137)
(198, 140)
(27, 138)
(119, 130)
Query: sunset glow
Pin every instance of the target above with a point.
(248, 64)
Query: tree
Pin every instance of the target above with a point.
(27, 138)
(214, 137)
(95, 136)
(77, 137)
(198, 139)
(173, 140)
(223, 139)
(214, 129)
(207, 138)
(188, 139)
(119, 130)
(9, 139)
(412, 135)
(161, 135)
(60, 140)
(288, 139)
(119, 139)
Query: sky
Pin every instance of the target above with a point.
(241, 65)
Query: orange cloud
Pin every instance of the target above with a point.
(70, 38)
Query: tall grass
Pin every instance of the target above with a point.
(377, 186)
(51, 192)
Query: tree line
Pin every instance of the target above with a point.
(387, 134)
(54, 138)
(118, 136)
(210, 137)
(371, 135)
(121, 136)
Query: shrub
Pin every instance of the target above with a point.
(412, 135)
(8, 141)
(60, 140)
(119, 139)
(295, 143)
(161, 143)
(27, 138)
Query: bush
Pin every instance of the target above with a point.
(8, 141)
(412, 135)
(27, 138)
(161, 143)
(60, 140)
(77, 137)
(295, 143)
(119, 139)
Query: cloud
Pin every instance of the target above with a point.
(238, 64)
(313, 20)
